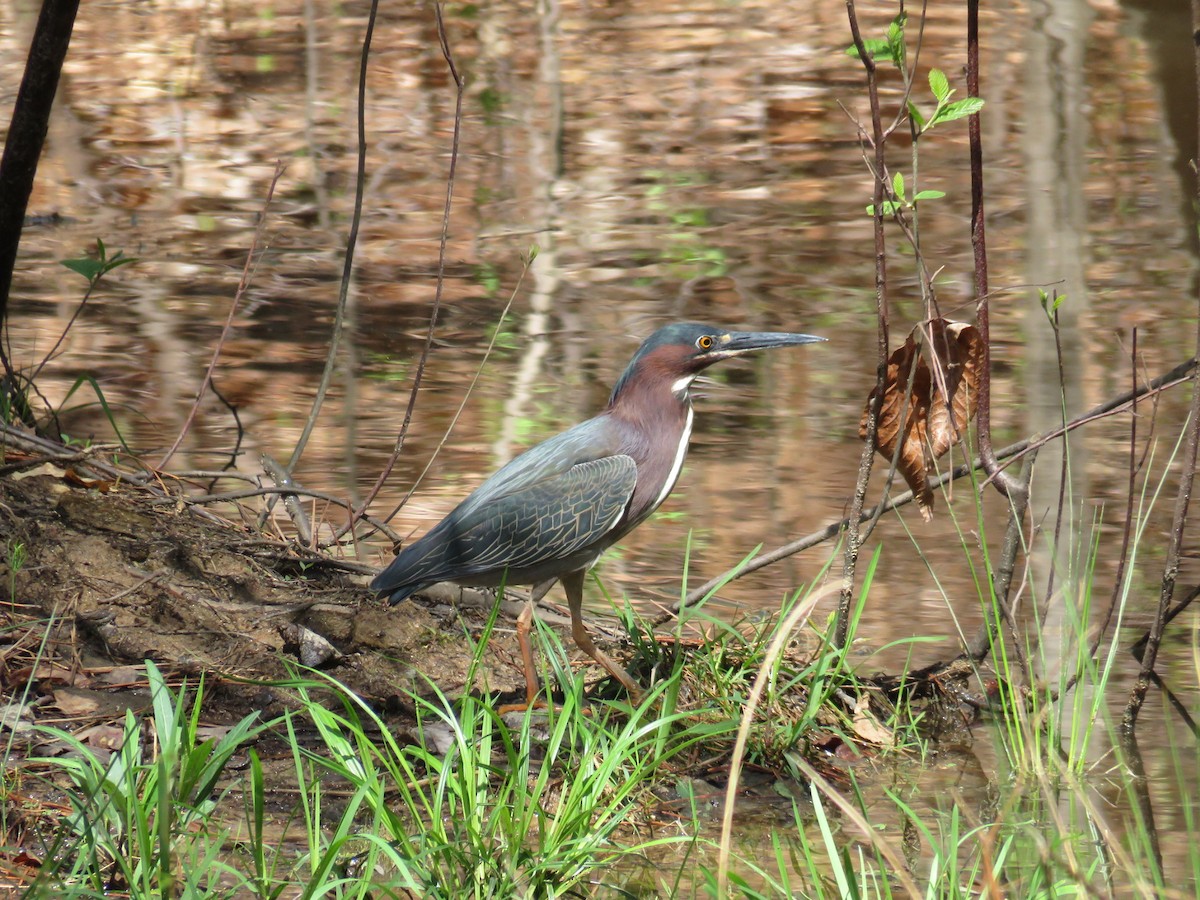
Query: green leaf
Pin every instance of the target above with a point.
(916, 115)
(898, 186)
(93, 269)
(889, 208)
(119, 260)
(959, 109)
(875, 47)
(929, 195)
(1050, 304)
(895, 39)
(939, 84)
(90, 269)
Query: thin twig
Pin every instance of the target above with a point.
(92, 283)
(989, 632)
(853, 535)
(1187, 478)
(487, 354)
(1064, 471)
(277, 491)
(291, 502)
(247, 270)
(1183, 498)
(1178, 375)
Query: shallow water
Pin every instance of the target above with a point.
(697, 161)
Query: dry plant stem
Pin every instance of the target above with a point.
(291, 502)
(1182, 498)
(247, 270)
(284, 490)
(87, 295)
(853, 533)
(868, 833)
(795, 619)
(31, 381)
(1007, 454)
(487, 355)
(360, 178)
(1178, 375)
(441, 267)
(1005, 483)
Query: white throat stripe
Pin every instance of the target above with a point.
(679, 455)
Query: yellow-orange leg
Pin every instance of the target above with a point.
(524, 620)
(573, 584)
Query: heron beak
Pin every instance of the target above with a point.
(735, 343)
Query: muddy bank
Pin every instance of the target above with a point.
(122, 576)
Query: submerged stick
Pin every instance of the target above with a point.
(1187, 479)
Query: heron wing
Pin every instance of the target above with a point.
(549, 503)
(550, 519)
(591, 441)
(550, 514)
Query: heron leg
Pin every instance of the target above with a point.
(531, 680)
(573, 584)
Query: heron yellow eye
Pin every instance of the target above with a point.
(704, 342)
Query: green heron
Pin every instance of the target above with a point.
(552, 511)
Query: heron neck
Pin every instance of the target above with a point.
(655, 402)
(654, 419)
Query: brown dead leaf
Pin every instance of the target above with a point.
(76, 701)
(45, 469)
(87, 703)
(933, 413)
(102, 736)
(958, 347)
(907, 409)
(867, 727)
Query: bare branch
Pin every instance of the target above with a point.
(441, 268)
(1005, 483)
